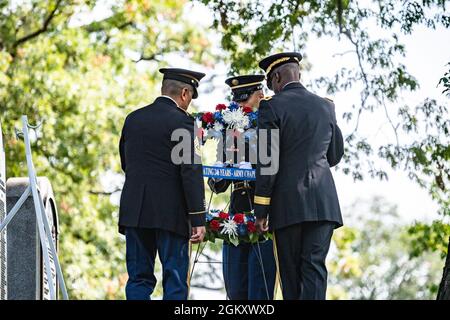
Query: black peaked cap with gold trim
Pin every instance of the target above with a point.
(270, 63)
(187, 76)
(243, 86)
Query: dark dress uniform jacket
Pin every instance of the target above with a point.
(310, 143)
(157, 192)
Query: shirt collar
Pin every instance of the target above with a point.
(289, 84)
(176, 104)
(164, 96)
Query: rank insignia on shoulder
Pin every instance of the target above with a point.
(267, 98)
(329, 99)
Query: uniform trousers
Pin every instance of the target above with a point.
(173, 250)
(302, 249)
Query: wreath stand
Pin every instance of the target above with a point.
(245, 173)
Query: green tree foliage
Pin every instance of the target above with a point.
(445, 82)
(371, 257)
(64, 64)
(80, 71)
(253, 29)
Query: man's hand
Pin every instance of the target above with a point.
(261, 225)
(198, 233)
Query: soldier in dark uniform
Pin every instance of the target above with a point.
(248, 269)
(162, 205)
(299, 199)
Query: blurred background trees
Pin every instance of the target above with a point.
(74, 66)
(371, 257)
(253, 29)
(81, 66)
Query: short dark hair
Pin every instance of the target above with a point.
(290, 68)
(174, 87)
(287, 70)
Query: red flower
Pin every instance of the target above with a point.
(251, 227)
(247, 109)
(220, 107)
(223, 215)
(208, 117)
(215, 225)
(239, 218)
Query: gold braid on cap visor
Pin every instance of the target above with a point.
(189, 76)
(245, 85)
(273, 64)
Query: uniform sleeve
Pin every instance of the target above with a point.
(122, 149)
(265, 182)
(192, 179)
(336, 146)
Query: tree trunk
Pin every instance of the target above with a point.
(444, 288)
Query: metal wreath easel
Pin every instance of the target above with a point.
(45, 234)
(200, 248)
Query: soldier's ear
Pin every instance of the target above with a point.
(277, 76)
(185, 93)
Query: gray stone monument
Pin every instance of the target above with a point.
(27, 279)
(3, 288)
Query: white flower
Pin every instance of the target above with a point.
(229, 227)
(245, 165)
(236, 119)
(214, 212)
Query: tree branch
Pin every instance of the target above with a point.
(394, 127)
(104, 193)
(223, 15)
(41, 30)
(143, 57)
(339, 15)
(120, 27)
(365, 95)
(341, 54)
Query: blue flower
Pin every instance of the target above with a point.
(251, 218)
(233, 106)
(242, 229)
(253, 116)
(218, 116)
(209, 217)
